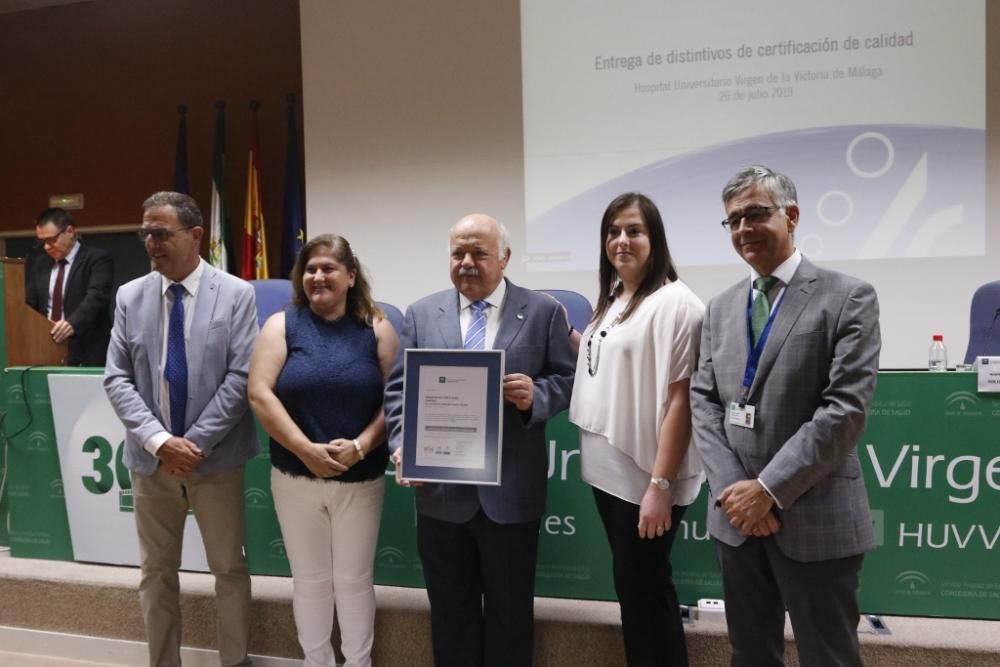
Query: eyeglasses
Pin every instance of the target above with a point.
(161, 234)
(752, 215)
(50, 240)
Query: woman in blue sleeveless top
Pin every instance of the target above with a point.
(316, 381)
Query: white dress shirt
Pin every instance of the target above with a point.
(784, 273)
(495, 303)
(53, 275)
(190, 284)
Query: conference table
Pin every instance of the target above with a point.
(930, 458)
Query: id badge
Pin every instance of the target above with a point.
(742, 416)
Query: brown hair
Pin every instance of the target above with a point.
(659, 266)
(360, 305)
(188, 213)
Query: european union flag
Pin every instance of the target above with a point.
(293, 230)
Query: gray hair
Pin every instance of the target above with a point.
(188, 213)
(779, 186)
(504, 239)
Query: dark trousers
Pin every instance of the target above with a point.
(759, 582)
(651, 617)
(480, 578)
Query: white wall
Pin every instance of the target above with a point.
(413, 119)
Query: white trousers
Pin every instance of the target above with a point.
(330, 531)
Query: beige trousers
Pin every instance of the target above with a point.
(161, 506)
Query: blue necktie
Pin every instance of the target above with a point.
(475, 337)
(176, 369)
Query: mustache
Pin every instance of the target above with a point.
(471, 272)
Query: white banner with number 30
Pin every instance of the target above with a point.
(96, 484)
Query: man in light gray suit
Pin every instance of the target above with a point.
(788, 366)
(478, 544)
(176, 376)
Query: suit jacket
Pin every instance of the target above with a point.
(535, 336)
(223, 330)
(812, 392)
(86, 300)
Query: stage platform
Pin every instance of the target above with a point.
(91, 613)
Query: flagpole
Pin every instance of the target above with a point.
(254, 261)
(293, 230)
(181, 183)
(220, 254)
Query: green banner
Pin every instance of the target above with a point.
(265, 548)
(4, 511)
(574, 560)
(38, 524)
(931, 460)
(930, 455)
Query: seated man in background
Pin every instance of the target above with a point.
(71, 285)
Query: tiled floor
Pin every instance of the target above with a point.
(24, 660)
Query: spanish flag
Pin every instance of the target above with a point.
(254, 264)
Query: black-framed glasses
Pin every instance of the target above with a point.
(161, 234)
(752, 215)
(50, 240)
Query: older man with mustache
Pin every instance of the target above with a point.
(478, 544)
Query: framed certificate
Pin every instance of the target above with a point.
(453, 416)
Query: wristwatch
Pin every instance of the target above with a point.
(662, 483)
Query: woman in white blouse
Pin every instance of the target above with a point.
(630, 401)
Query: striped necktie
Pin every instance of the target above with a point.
(475, 337)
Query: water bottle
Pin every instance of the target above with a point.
(937, 357)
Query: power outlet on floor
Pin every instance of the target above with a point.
(712, 605)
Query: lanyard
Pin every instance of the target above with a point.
(756, 350)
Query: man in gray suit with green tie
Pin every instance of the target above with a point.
(788, 365)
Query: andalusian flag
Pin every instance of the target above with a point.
(219, 250)
(254, 242)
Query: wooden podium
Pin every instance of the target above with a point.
(29, 338)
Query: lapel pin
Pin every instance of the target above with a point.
(520, 316)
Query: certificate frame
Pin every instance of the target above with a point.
(417, 465)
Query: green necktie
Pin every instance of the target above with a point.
(761, 309)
